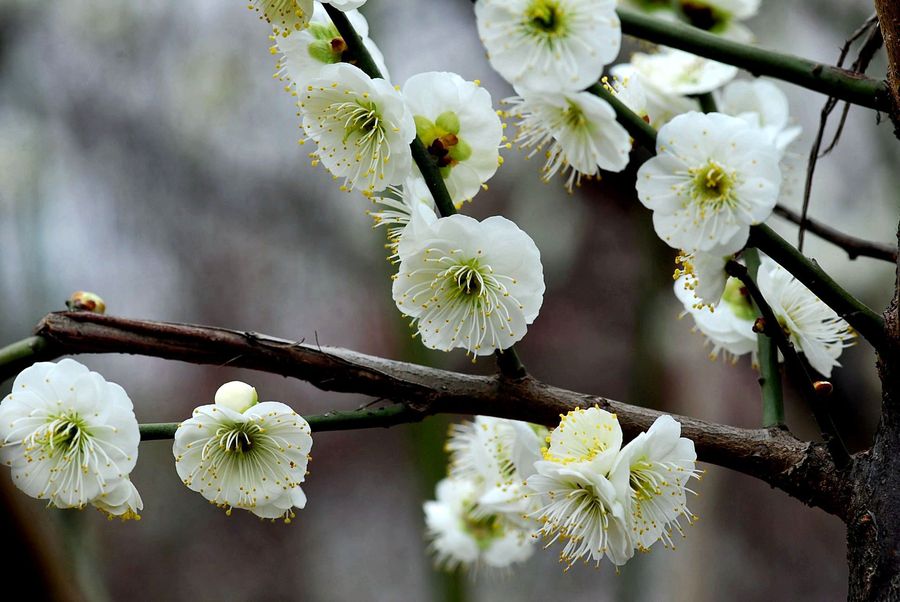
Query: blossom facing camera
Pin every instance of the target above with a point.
(549, 45)
(469, 284)
(254, 460)
(69, 436)
(361, 126)
(578, 129)
(713, 177)
(456, 121)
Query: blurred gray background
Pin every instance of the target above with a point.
(147, 154)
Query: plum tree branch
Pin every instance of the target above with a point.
(820, 77)
(855, 247)
(802, 469)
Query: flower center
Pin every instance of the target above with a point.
(238, 438)
(468, 278)
(713, 186)
(483, 530)
(738, 299)
(441, 138)
(545, 17)
(645, 481)
(65, 434)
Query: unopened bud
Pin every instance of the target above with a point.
(85, 301)
(823, 388)
(237, 396)
(759, 326)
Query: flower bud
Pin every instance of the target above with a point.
(237, 396)
(85, 301)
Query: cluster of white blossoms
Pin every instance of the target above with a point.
(71, 438)
(505, 490)
(813, 328)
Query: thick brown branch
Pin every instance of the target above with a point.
(889, 20)
(802, 469)
(855, 247)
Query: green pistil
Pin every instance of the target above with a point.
(643, 486)
(441, 138)
(238, 439)
(544, 17)
(713, 187)
(66, 432)
(738, 299)
(483, 530)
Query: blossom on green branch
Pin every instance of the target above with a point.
(713, 177)
(456, 121)
(361, 126)
(469, 284)
(71, 438)
(549, 45)
(254, 459)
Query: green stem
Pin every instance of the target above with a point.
(769, 370)
(508, 360)
(643, 133)
(855, 312)
(707, 102)
(819, 77)
(17, 356)
(331, 421)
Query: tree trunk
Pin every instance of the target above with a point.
(873, 522)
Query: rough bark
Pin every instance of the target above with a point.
(802, 469)
(873, 520)
(889, 21)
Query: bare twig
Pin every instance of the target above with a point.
(855, 247)
(802, 469)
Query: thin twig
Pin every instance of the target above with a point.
(855, 247)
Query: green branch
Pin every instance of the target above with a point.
(330, 421)
(769, 370)
(820, 77)
(507, 360)
(855, 312)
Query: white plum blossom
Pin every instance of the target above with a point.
(361, 125)
(468, 283)
(728, 324)
(456, 121)
(812, 327)
(678, 73)
(236, 396)
(461, 536)
(655, 105)
(69, 436)
(652, 472)
(578, 129)
(286, 16)
(713, 177)
(762, 104)
(305, 52)
(254, 460)
(720, 17)
(122, 501)
(497, 455)
(549, 45)
(704, 274)
(578, 502)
